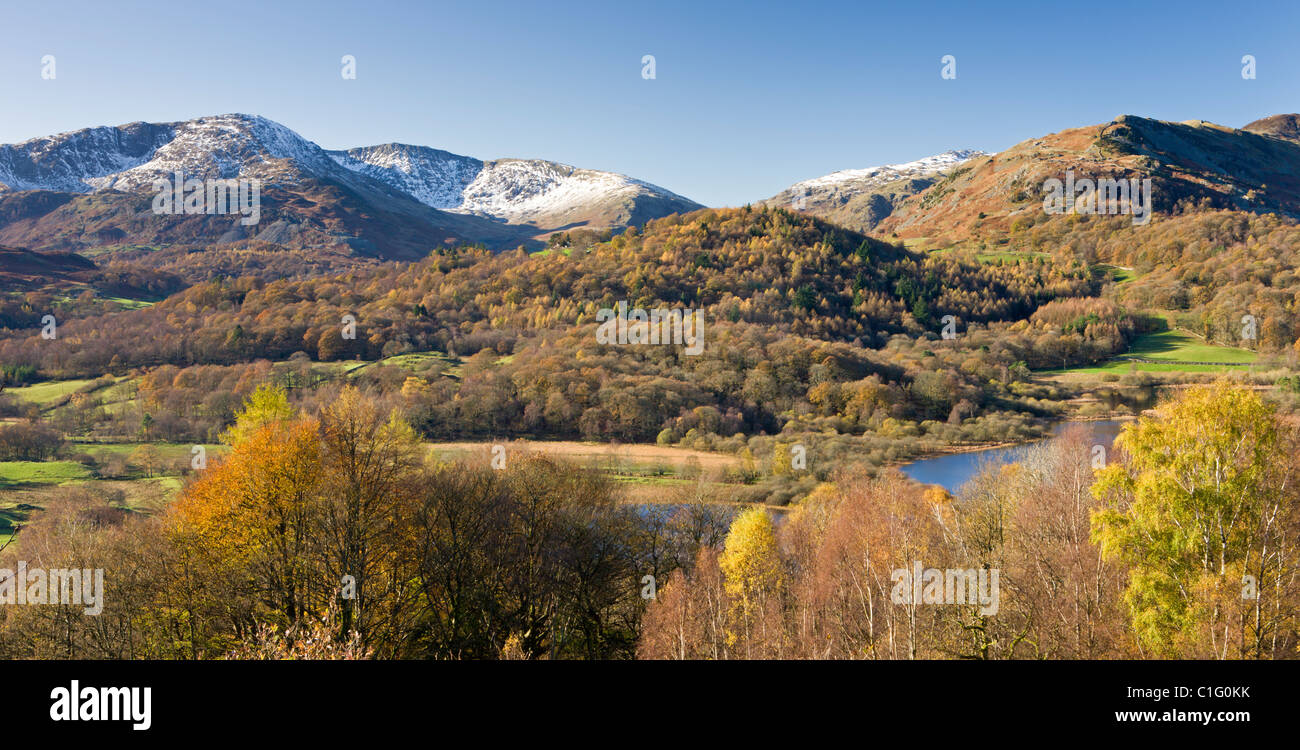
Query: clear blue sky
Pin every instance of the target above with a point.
(750, 96)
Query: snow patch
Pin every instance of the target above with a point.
(891, 172)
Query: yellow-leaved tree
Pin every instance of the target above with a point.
(1203, 509)
(751, 567)
(267, 405)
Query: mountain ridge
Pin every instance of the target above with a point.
(862, 198)
(519, 191)
(539, 194)
(1193, 162)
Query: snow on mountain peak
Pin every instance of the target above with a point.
(518, 190)
(435, 178)
(890, 172)
(71, 161)
(223, 146)
(132, 157)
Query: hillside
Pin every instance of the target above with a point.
(862, 198)
(23, 269)
(805, 329)
(767, 267)
(1192, 163)
(1206, 269)
(92, 191)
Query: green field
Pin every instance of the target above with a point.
(121, 393)
(27, 486)
(1117, 274)
(547, 251)
(993, 256)
(10, 514)
(127, 303)
(123, 303)
(1175, 347)
(46, 394)
(1008, 256)
(413, 361)
(167, 451)
(166, 485)
(101, 250)
(1182, 346)
(41, 472)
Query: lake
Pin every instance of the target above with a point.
(952, 470)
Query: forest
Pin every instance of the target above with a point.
(804, 320)
(359, 463)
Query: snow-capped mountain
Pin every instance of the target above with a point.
(860, 180)
(130, 157)
(435, 178)
(519, 191)
(93, 188)
(538, 195)
(862, 198)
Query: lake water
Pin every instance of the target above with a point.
(952, 470)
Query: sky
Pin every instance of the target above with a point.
(747, 98)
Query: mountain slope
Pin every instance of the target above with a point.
(1189, 163)
(792, 274)
(861, 198)
(131, 157)
(543, 194)
(23, 269)
(93, 188)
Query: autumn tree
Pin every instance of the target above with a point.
(253, 518)
(1205, 514)
(268, 404)
(753, 578)
(368, 459)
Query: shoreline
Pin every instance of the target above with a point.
(953, 450)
